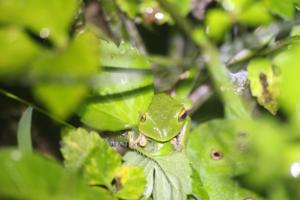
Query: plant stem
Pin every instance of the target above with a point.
(199, 96)
(234, 107)
(247, 54)
(134, 35)
(121, 27)
(23, 101)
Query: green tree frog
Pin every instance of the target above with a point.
(163, 128)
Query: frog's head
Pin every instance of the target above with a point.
(164, 119)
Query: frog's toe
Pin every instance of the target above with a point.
(142, 140)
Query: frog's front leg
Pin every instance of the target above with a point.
(136, 140)
(181, 139)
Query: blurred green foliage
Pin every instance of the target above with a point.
(31, 176)
(125, 83)
(263, 83)
(48, 20)
(149, 11)
(99, 164)
(24, 132)
(244, 52)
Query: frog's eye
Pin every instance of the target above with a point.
(182, 114)
(143, 117)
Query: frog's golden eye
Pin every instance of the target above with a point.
(182, 114)
(143, 117)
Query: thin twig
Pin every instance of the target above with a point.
(199, 96)
(234, 107)
(114, 21)
(134, 34)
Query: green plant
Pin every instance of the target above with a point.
(213, 117)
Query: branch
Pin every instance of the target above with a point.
(134, 34)
(234, 107)
(199, 96)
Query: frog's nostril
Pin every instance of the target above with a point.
(182, 114)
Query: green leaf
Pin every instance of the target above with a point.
(198, 188)
(183, 6)
(236, 6)
(249, 16)
(75, 63)
(116, 112)
(295, 31)
(17, 51)
(122, 56)
(101, 166)
(116, 81)
(297, 2)
(33, 177)
(245, 11)
(61, 76)
(130, 7)
(76, 147)
(279, 192)
(264, 83)
(168, 177)
(52, 19)
(128, 70)
(291, 158)
(217, 23)
(92, 155)
(131, 181)
(149, 9)
(60, 99)
(284, 9)
(289, 96)
(221, 188)
(24, 132)
(265, 159)
(219, 158)
(119, 105)
(219, 153)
